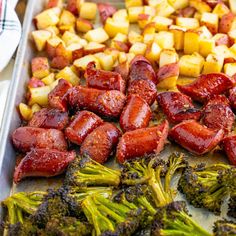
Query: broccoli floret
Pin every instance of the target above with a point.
(224, 228)
(84, 171)
(53, 206)
(173, 220)
(68, 226)
(111, 218)
(207, 186)
(21, 205)
(232, 205)
(150, 171)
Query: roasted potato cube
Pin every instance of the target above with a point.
(191, 41)
(162, 23)
(83, 25)
(220, 9)
(133, 3)
(88, 10)
(134, 37)
(153, 52)
(133, 13)
(191, 65)
(93, 47)
(67, 18)
(178, 33)
(113, 27)
(187, 23)
(143, 20)
(164, 39)
(39, 95)
(121, 37)
(206, 46)
(40, 67)
(168, 56)
(40, 38)
(54, 3)
(164, 9)
(151, 11)
(138, 48)
(232, 5)
(210, 20)
(200, 5)
(76, 49)
(213, 64)
(98, 35)
(68, 74)
(49, 79)
(230, 69)
(105, 60)
(25, 111)
(177, 4)
(69, 38)
(223, 51)
(51, 46)
(82, 62)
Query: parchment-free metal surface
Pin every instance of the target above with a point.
(12, 120)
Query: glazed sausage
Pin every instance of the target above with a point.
(57, 98)
(99, 144)
(106, 103)
(139, 142)
(123, 70)
(195, 137)
(105, 10)
(25, 138)
(177, 107)
(146, 89)
(43, 162)
(141, 68)
(206, 86)
(217, 114)
(104, 80)
(49, 118)
(232, 97)
(82, 124)
(135, 115)
(229, 145)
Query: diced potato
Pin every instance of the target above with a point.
(82, 62)
(40, 67)
(123, 47)
(233, 49)
(68, 74)
(88, 10)
(130, 56)
(121, 37)
(148, 38)
(151, 11)
(66, 18)
(223, 51)
(156, 3)
(191, 41)
(178, 4)
(69, 38)
(213, 64)
(25, 111)
(51, 46)
(143, 20)
(191, 65)
(221, 39)
(133, 13)
(105, 60)
(210, 20)
(138, 48)
(206, 46)
(232, 36)
(134, 37)
(113, 27)
(54, 3)
(53, 84)
(113, 52)
(120, 15)
(162, 23)
(178, 33)
(83, 25)
(93, 47)
(39, 95)
(40, 38)
(122, 57)
(187, 23)
(164, 9)
(230, 69)
(49, 79)
(164, 39)
(64, 28)
(200, 5)
(232, 5)
(76, 49)
(53, 30)
(98, 35)
(220, 9)
(46, 18)
(204, 32)
(168, 56)
(35, 108)
(133, 3)
(153, 52)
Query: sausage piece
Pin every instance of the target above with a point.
(43, 162)
(146, 89)
(57, 98)
(217, 114)
(195, 137)
(104, 80)
(232, 97)
(206, 86)
(25, 138)
(139, 142)
(136, 114)
(141, 68)
(49, 118)
(229, 145)
(105, 103)
(82, 124)
(100, 143)
(177, 107)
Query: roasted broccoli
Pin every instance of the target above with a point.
(150, 171)
(232, 205)
(173, 220)
(224, 228)
(84, 171)
(208, 186)
(68, 226)
(111, 218)
(21, 205)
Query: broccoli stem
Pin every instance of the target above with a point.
(146, 204)
(11, 208)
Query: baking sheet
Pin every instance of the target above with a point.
(11, 121)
